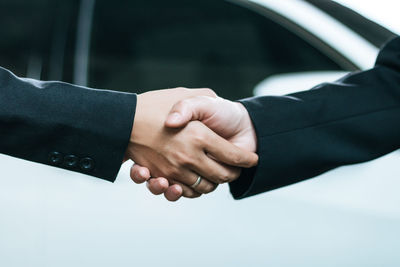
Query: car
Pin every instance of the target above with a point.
(240, 48)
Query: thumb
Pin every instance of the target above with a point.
(191, 109)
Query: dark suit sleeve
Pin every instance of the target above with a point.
(353, 120)
(67, 126)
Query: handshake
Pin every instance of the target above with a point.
(185, 142)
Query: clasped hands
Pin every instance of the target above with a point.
(182, 134)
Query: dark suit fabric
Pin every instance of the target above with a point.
(302, 135)
(72, 127)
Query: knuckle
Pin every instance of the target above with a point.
(182, 158)
(209, 92)
(199, 138)
(225, 177)
(185, 160)
(183, 103)
(216, 178)
(237, 159)
(171, 172)
(220, 180)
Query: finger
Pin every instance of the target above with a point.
(204, 186)
(157, 186)
(186, 190)
(173, 193)
(216, 172)
(195, 108)
(224, 151)
(189, 178)
(139, 174)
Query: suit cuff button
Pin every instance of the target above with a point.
(71, 161)
(55, 158)
(86, 164)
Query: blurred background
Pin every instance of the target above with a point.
(239, 48)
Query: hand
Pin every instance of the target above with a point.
(228, 119)
(181, 155)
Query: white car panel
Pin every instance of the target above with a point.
(384, 12)
(53, 217)
(328, 29)
(287, 83)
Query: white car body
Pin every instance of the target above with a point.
(346, 217)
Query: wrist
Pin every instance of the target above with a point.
(247, 127)
(137, 123)
(145, 120)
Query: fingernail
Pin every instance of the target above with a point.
(174, 117)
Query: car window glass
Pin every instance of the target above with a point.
(147, 44)
(36, 36)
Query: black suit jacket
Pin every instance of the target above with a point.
(64, 125)
(302, 135)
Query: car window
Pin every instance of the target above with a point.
(150, 44)
(37, 38)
